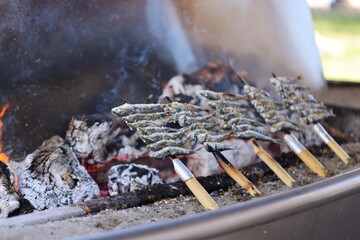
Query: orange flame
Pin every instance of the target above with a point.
(3, 157)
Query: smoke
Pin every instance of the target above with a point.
(166, 29)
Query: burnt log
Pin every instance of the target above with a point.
(130, 177)
(52, 176)
(89, 136)
(213, 76)
(9, 198)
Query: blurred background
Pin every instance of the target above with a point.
(337, 25)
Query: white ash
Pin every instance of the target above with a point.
(130, 149)
(88, 136)
(203, 163)
(177, 89)
(129, 177)
(9, 198)
(52, 176)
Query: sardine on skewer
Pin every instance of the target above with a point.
(128, 109)
(237, 119)
(299, 100)
(152, 121)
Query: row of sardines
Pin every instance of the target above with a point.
(167, 129)
(175, 129)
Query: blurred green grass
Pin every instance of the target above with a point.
(344, 27)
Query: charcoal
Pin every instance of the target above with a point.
(9, 198)
(130, 177)
(52, 176)
(89, 137)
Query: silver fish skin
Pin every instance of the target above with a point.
(176, 115)
(240, 121)
(245, 127)
(229, 116)
(155, 137)
(284, 126)
(266, 108)
(203, 135)
(211, 95)
(248, 134)
(139, 117)
(271, 114)
(256, 93)
(147, 123)
(178, 107)
(281, 82)
(250, 121)
(317, 117)
(276, 119)
(201, 126)
(306, 112)
(266, 103)
(293, 101)
(171, 152)
(224, 103)
(228, 110)
(216, 146)
(297, 94)
(282, 88)
(128, 109)
(186, 121)
(305, 105)
(156, 146)
(151, 130)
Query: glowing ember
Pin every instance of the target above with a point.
(3, 157)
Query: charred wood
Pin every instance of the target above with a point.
(52, 176)
(9, 198)
(89, 136)
(130, 177)
(254, 173)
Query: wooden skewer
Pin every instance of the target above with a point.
(305, 155)
(195, 187)
(325, 136)
(272, 164)
(235, 174)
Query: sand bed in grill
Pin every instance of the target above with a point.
(187, 205)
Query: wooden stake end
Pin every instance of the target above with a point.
(272, 164)
(201, 194)
(312, 163)
(235, 174)
(339, 151)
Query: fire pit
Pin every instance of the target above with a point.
(73, 180)
(314, 201)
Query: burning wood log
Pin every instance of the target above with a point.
(9, 198)
(214, 76)
(236, 115)
(129, 177)
(52, 176)
(298, 99)
(164, 141)
(89, 136)
(273, 113)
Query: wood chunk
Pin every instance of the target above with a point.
(214, 76)
(129, 177)
(9, 198)
(52, 176)
(89, 136)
